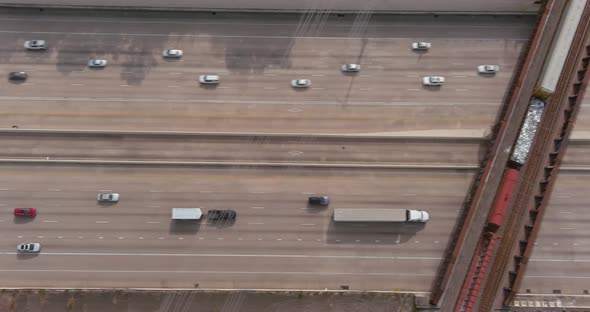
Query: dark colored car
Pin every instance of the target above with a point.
(25, 212)
(319, 200)
(221, 214)
(17, 75)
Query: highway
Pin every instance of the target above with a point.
(87, 244)
(256, 62)
(277, 240)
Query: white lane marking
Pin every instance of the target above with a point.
(365, 89)
(412, 76)
(270, 88)
(77, 84)
(365, 75)
(294, 110)
(307, 224)
(222, 272)
(105, 190)
(317, 75)
(318, 88)
(50, 221)
(220, 238)
(153, 206)
(155, 191)
(54, 205)
(181, 238)
(409, 194)
(461, 90)
(60, 237)
(40, 236)
(307, 193)
(153, 222)
(279, 239)
(457, 64)
(20, 236)
(205, 191)
(160, 237)
(141, 237)
(565, 212)
(6, 189)
(80, 237)
(173, 86)
(259, 239)
(212, 101)
(100, 237)
(201, 238)
(102, 221)
(299, 239)
(567, 228)
(127, 72)
(54, 190)
(255, 223)
(413, 89)
(269, 74)
(175, 73)
(124, 85)
(257, 192)
(213, 255)
(120, 237)
(223, 87)
(257, 207)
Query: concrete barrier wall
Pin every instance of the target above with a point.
(475, 6)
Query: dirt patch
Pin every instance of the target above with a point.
(200, 300)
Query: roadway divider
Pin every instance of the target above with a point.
(465, 135)
(235, 164)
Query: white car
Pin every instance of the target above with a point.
(107, 197)
(209, 79)
(172, 53)
(351, 68)
(28, 247)
(433, 80)
(300, 83)
(487, 69)
(421, 45)
(97, 63)
(36, 45)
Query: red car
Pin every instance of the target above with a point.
(25, 212)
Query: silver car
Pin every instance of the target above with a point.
(421, 45)
(172, 53)
(36, 45)
(488, 69)
(209, 79)
(351, 68)
(97, 63)
(300, 83)
(107, 197)
(28, 247)
(433, 80)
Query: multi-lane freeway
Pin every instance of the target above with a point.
(277, 240)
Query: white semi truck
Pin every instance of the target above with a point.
(379, 215)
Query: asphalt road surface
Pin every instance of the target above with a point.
(277, 241)
(257, 56)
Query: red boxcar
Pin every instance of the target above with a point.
(502, 198)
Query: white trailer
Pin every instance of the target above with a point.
(186, 213)
(379, 215)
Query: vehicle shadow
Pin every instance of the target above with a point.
(371, 233)
(26, 256)
(184, 227)
(106, 204)
(431, 88)
(17, 81)
(208, 86)
(315, 209)
(482, 75)
(221, 223)
(22, 220)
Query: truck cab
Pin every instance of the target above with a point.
(416, 216)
